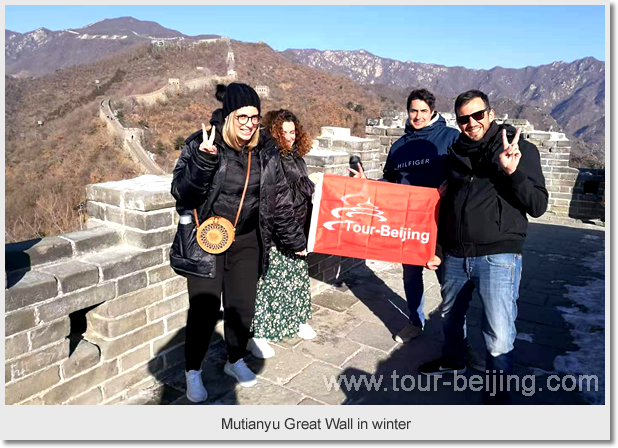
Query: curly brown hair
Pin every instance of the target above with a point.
(273, 121)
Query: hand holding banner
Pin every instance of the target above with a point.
(374, 220)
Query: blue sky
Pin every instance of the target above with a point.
(478, 37)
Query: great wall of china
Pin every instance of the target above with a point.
(97, 316)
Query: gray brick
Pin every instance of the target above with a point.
(176, 321)
(85, 356)
(28, 289)
(174, 287)
(168, 341)
(96, 210)
(19, 321)
(160, 274)
(148, 220)
(130, 302)
(114, 214)
(132, 283)
(15, 346)
(111, 348)
(395, 131)
(93, 397)
(114, 327)
(20, 390)
(124, 261)
(167, 307)
(146, 240)
(134, 358)
(374, 335)
(48, 334)
(311, 382)
(93, 240)
(30, 253)
(73, 275)
(128, 379)
(103, 193)
(146, 201)
(7, 372)
(75, 386)
(69, 303)
(40, 359)
(371, 130)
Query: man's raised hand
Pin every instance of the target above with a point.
(207, 144)
(509, 158)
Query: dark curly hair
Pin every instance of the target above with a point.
(273, 122)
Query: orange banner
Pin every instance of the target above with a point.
(374, 220)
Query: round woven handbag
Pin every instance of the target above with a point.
(215, 235)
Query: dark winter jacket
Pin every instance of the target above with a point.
(418, 157)
(484, 209)
(199, 176)
(301, 187)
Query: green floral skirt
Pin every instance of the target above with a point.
(283, 299)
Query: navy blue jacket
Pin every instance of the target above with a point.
(418, 157)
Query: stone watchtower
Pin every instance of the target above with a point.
(263, 91)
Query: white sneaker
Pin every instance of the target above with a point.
(196, 392)
(306, 332)
(242, 373)
(260, 348)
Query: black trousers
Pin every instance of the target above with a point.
(236, 277)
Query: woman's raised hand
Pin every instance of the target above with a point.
(207, 144)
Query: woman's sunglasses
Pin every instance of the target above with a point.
(478, 116)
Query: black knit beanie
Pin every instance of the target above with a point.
(235, 96)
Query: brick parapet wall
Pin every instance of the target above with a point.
(115, 279)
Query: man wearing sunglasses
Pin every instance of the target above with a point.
(494, 179)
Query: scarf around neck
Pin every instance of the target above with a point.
(467, 147)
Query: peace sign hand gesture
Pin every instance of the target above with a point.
(207, 144)
(509, 158)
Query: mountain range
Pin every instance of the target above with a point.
(572, 93)
(562, 96)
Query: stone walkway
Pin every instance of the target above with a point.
(561, 331)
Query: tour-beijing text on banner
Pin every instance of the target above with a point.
(373, 220)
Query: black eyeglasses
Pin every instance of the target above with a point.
(478, 116)
(244, 119)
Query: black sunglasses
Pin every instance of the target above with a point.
(478, 116)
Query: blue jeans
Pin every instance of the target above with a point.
(414, 288)
(496, 278)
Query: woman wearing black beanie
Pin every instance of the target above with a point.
(212, 172)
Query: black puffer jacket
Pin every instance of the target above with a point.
(301, 187)
(198, 178)
(484, 210)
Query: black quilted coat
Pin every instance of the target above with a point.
(198, 178)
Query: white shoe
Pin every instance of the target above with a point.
(260, 348)
(242, 373)
(196, 392)
(306, 332)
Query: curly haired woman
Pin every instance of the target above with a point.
(283, 302)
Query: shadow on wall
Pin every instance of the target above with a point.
(588, 198)
(17, 260)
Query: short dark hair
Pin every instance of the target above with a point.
(468, 96)
(423, 95)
